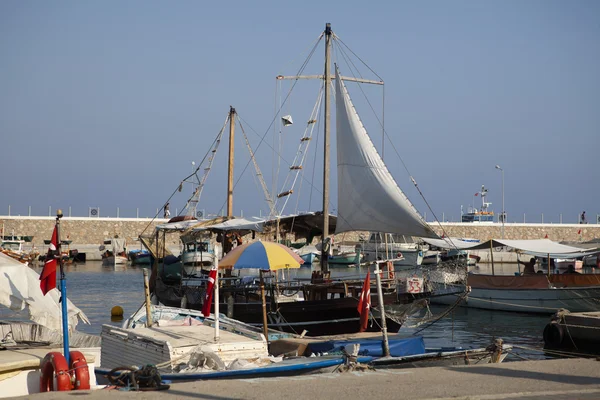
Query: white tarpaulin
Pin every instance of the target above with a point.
(369, 198)
(177, 226)
(537, 246)
(449, 243)
(20, 290)
(237, 224)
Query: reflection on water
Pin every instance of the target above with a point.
(96, 289)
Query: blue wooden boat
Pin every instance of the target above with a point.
(288, 367)
(139, 257)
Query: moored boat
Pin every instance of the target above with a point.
(114, 252)
(532, 294)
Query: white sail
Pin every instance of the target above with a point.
(368, 197)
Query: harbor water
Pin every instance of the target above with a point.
(95, 289)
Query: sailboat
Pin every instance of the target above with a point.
(368, 199)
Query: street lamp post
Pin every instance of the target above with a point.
(503, 212)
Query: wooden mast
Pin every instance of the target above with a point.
(327, 77)
(230, 172)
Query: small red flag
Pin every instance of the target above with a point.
(48, 275)
(546, 237)
(364, 303)
(208, 296)
(579, 232)
(476, 194)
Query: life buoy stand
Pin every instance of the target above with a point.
(54, 364)
(68, 377)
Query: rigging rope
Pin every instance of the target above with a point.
(262, 138)
(217, 138)
(259, 174)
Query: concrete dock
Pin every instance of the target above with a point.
(543, 379)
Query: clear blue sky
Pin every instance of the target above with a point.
(106, 103)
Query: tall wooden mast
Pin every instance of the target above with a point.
(327, 78)
(230, 172)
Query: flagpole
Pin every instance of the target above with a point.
(216, 300)
(385, 344)
(63, 290)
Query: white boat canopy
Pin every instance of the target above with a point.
(449, 243)
(20, 290)
(177, 226)
(237, 224)
(539, 247)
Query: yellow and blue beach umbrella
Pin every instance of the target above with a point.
(262, 255)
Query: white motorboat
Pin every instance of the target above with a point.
(393, 246)
(197, 255)
(114, 252)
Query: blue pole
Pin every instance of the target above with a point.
(65, 315)
(63, 291)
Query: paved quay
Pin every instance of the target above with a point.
(524, 380)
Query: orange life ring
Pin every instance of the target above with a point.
(54, 363)
(79, 369)
(76, 376)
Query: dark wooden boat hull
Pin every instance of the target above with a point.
(317, 317)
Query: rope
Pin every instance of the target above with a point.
(216, 140)
(146, 378)
(524, 306)
(556, 352)
(442, 315)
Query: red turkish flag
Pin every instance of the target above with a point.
(364, 303)
(208, 296)
(48, 275)
(476, 194)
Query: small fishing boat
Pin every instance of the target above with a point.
(139, 257)
(182, 345)
(310, 258)
(114, 252)
(15, 248)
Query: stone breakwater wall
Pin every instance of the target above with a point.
(485, 231)
(89, 231)
(93, 231)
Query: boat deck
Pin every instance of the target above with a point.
(174, 344)
(25, 359)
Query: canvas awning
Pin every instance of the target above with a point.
(538, 247)
(177, 226)
(449, 243)
(237, 224)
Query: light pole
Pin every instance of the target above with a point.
(503, 213)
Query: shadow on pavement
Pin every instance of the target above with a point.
(540, 376)
(196, 395)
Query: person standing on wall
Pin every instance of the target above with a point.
(167, 211)
(582, 220)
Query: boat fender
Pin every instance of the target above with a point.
(80, 371)
(54, 364)
(554, 334)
